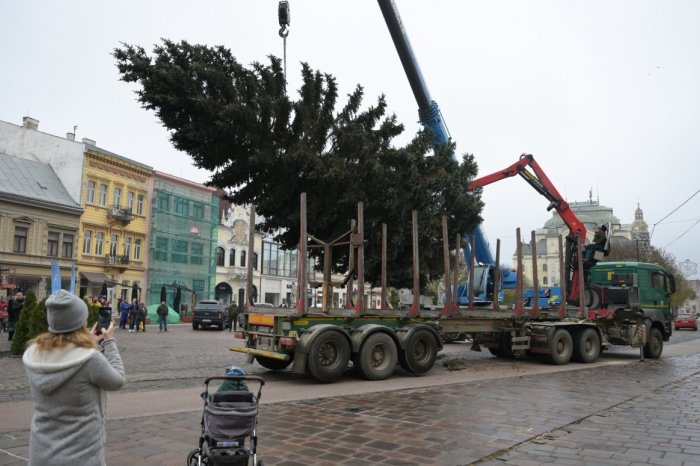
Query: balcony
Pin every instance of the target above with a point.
(120, 214)
(119, 263)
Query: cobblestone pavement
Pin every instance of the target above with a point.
(634, 413)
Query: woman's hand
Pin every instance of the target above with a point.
(106, 334)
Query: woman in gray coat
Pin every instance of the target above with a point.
(69, 369)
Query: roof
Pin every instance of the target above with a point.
(34, 183)
(89, 146)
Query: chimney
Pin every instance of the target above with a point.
(30, 123)
(70, 136)
(89, 141)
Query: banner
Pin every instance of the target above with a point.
(55, 276)
(72, 279)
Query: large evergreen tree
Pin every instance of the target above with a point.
(265, 148)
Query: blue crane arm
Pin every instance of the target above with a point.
(428, 110)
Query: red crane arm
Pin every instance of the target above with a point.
(542, 185)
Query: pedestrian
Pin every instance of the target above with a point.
(143, 314)
(69, 369)
(163, 316)
(232, 316)
(14, 309)
(134, 315)
(3, 314)
(124, 308)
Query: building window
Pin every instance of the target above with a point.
(137, 249)
(269, 266)
(179, 254)
(196, 254)
(163, 201)
(278, 262)
(87, 242)
(255, 261)
(220, 257)
(544, 267)
(243, 254)
(197, 210)
(90, 192)
(99, 243)
(198, 285)
(103, 195)
(20, 244)
(127, 246)
(139, 204)
(53, 244)
(130, 201)
(113, 245)
(67, 247)
(544, 280)
(181, 206)
(162, 249)
(117, 197)
(232, 257)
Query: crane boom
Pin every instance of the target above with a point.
(428, 110)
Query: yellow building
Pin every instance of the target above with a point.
(112, 246)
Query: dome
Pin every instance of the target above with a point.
(591, 213)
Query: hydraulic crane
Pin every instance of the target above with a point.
(431, 117)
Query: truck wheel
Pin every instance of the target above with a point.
(329, 356)
(273, 364)
(420, 353)
(586, 345)
(378, 357)
(655, 345)
(561, 347)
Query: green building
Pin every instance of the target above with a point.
(183, 229)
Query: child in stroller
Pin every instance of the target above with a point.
(229, 416)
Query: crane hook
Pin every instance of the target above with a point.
(284, 32)
(283, 16)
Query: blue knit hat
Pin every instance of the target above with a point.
(234, 370)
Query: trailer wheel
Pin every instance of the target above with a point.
(329, 356)
(377, 358)
(505, 347)
(561, 347)
(273, 364)
(655, 345)
(586, 345)
(420, 352)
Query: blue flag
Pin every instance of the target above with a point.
(55, 276)
(72, 279)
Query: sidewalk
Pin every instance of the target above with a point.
(635, 413)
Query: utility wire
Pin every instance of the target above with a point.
(671, 213)
(682, 234)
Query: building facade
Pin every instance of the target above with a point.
(183, 239)
(39, 222)
(112, 247)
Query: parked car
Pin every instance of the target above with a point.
(686, 321)
(209, 313)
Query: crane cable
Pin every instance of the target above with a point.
(283, 16)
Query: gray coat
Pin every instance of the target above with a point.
(68, 388)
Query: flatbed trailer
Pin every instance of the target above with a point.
(322, 342)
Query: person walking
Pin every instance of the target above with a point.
(163, 316)
(124, 308)
(14, 309)
(143, 314)
(3, 314)
(69, 369)
(134, 315)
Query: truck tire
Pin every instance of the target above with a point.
(273, 364)
(505, 347)
(420, 352)
(328, 356)
(561, 347)
(654, 345)
(378, 356)
(586, 345)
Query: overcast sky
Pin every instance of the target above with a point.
(606, 95)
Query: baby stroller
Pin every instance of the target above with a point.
(228, 418)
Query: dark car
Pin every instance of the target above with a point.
(686, 321)
(209, 313)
